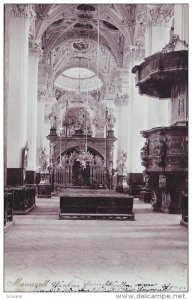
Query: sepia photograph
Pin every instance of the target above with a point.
(95, 150)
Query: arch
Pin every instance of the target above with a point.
(43, 24)
(75, 144)
(90, 149)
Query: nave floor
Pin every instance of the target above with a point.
(43, 253)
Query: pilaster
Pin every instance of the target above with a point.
(181, 26)
(137, 112)
(156, 20)
(35, 52)
(19, 23)
(40, 123)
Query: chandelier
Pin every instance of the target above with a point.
(84, 157)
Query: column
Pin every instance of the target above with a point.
(47, 127)
(158, 21)
(137, 115)
(34, 53)
(43, 94)
(179, 102)
(19, 23)
(48, 107)
(122, 107)
(6, 84)
(40, 125)
(181, 26)
(123, 112)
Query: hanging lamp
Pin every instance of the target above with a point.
(85, 156)
(98, 45)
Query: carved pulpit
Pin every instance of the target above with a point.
(165, 153)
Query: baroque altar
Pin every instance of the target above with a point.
(66, 164)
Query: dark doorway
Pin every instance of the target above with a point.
(81, 176)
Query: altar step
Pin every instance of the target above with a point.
(96, 216)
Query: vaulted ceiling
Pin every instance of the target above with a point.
(87, 37)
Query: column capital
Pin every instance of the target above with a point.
(35, 50)
(135, 52)
(41, 96)
(156, 15)
(22, 11)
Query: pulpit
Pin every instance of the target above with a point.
(165, 152)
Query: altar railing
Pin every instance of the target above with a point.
(64, 177)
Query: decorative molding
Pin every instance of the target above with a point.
(128, 24)
(173, 43)
(159, 15)
(156, 15)
(144, 154)
(35, 50)
(22, 11)
(41, 96)
(122, 99)
(135, 52)
(179, 102)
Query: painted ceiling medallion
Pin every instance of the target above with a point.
(80, 46)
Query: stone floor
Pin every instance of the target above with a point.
(43, 253)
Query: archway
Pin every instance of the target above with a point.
(71, 171)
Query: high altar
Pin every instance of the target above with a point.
(66, 169)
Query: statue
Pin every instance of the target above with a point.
(43, 157)
(162, 181)
(110, 122)
(160, 152)
(121, 168)
(122, 186)
(52, 119)
(144, 151)
(144, 154)
(25, 155)
(146, 180)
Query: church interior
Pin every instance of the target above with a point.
(96, 147)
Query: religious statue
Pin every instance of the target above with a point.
(43, 157)
(25, 155)
(110, 122)
(146, 180)
(162, 181)
(52, 119)
(144, 151)
(160, 152)
(144, 154)
(121, 167)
